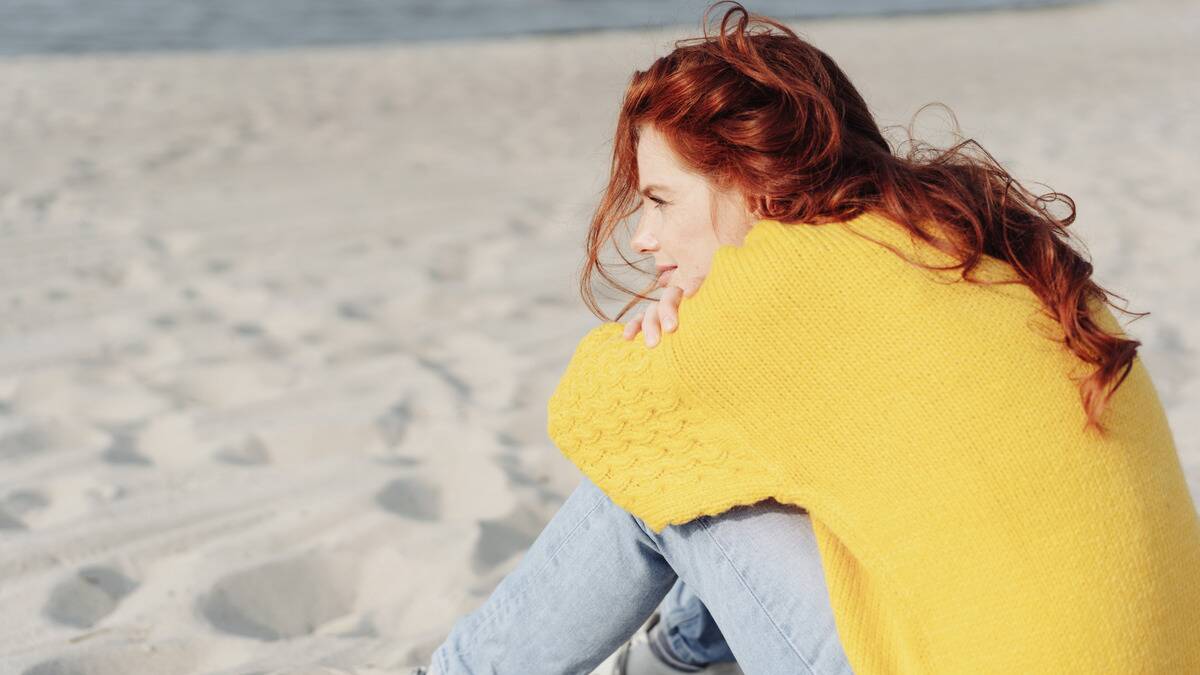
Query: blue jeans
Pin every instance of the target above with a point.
(596, 572)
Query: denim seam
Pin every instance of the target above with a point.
(487, 620)
(554, 554)
(651, 536)
(750, 590)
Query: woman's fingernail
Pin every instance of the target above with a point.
(668, 324)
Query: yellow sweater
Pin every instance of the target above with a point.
(965, 520)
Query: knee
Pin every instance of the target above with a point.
(589, 490)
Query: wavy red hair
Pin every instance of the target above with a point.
(770, 115)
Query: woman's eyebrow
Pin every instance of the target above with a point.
(645, 189)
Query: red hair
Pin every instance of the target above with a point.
(774, 118)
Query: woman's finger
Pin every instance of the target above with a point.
(650, 325)
(668, 308)
(632, 328)
(660, 317)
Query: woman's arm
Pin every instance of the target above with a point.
(654, 426)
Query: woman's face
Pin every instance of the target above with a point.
(676, 225)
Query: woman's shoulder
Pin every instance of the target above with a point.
(871, 241)
(862, 265)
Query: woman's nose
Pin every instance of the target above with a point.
(643, 241)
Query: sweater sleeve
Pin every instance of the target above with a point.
(654, 426)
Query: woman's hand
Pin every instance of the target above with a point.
(660, 316)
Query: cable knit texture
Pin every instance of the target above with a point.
(966, 521)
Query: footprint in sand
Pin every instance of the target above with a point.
(10, 522)
(411, 498)
(16, 504)
(283, 598)
(124, 449)
(250, 451)
(501, 538)
(88, 595)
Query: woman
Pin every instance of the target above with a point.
(883, 421)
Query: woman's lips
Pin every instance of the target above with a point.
(664, 277)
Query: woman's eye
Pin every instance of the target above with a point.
(658, 202)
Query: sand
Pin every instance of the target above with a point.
(280, 327)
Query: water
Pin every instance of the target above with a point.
(83, 26)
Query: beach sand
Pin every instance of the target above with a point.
(280, 327)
